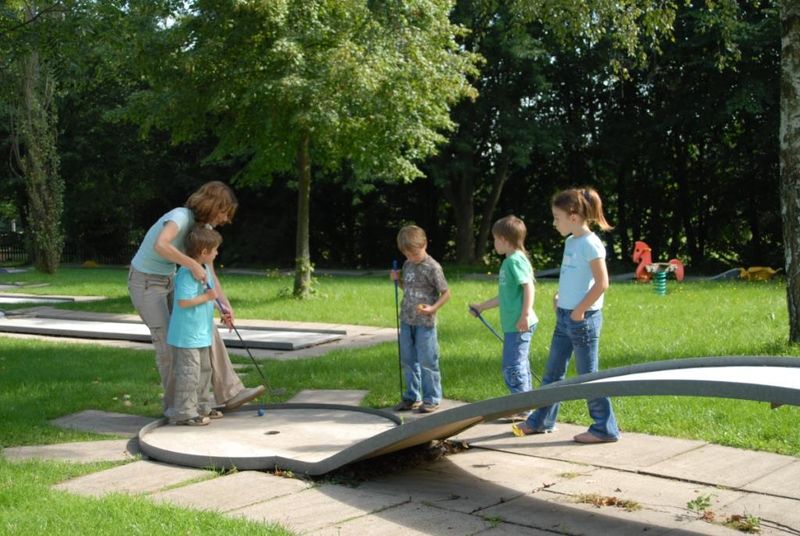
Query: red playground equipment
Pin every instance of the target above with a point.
(642, 255)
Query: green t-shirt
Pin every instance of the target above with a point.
(515, 271)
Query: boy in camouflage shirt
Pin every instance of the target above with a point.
(425, 291)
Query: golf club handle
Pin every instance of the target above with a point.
(222, 309)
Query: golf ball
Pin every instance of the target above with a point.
(260, 412)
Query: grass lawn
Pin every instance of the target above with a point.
(43, 380)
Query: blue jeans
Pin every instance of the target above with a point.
(516, 364)
(419, 357)
(582, 338)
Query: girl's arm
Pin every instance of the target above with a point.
(600, 274)
(164, 247)
(527, 303)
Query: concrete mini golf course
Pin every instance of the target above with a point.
(318, 438)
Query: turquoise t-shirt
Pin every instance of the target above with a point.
(190, 327)
(146, 259)
(515, 271)
(576, 273)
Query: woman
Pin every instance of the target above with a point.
(150, 283)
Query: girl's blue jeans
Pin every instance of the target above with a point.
(583, 339)
(419, 359)
(516, 363)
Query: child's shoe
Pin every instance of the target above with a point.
(194, 421)
(428, 407)
(588, 438)
(522, 429)
(215, 414)
(407, 405)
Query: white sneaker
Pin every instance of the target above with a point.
(245, 395)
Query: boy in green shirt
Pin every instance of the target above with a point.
(515, 298)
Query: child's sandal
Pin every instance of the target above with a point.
(215, 414)
(194, 421)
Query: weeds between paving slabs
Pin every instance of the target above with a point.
(701, 506)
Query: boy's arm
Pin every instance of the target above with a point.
(444, 297)
(527, 303)
(488, 304)
(225, 315)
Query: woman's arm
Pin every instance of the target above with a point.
(165, 249)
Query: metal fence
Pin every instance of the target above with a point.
(14, 251)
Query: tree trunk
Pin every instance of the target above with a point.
(303, 268)
(500, 178)
(34, 147)
(460, 194)
(790, 158)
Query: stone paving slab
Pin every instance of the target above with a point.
(777, 515)
(112, 450)
(515, 472)
(507, 529)
(410, 519)
(458, 493)
(725, 466)
(318, 508)
(659, 494)
(103, 422)
(564, 515)
(136, 477)
(784, 482)
(348, 397)
(632, 452)
(231, 492)
(474, 480)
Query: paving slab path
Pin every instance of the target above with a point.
(501, 485)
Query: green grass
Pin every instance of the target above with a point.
(29, 505)
(43, 380)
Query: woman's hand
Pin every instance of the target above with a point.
(198, 272)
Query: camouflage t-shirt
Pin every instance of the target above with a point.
(423, 283)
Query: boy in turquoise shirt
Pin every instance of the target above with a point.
(190, 333)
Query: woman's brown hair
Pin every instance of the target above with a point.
(210, 200)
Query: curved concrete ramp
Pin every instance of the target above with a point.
(311, 433)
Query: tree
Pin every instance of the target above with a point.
(34, 130)
(307, 87)
(790, 157)
(501, 130)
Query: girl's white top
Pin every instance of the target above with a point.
(576, 273)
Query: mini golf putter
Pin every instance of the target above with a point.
(477, 314)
